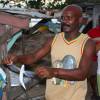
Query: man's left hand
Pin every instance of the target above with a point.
(44, 72)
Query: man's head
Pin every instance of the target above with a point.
(71, 17)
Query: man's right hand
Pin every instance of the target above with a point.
(9, 59)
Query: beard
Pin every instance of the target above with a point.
(65, 27)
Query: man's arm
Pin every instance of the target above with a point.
(31, 58)
(72, 74)
(84, 67)
(97, 47)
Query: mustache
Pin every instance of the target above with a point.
(64, 24)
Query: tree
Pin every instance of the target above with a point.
(35, 4)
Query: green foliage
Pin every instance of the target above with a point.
(60, 6)
(39, 4)
(56, 6)
(50, 5)
(35, 4)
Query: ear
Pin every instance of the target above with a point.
(82, 20)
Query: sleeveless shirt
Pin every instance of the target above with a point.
(59, 49)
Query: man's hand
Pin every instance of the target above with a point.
(9, 59)
(44, 72)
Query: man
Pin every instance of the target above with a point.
(71, 55)
(94, 33)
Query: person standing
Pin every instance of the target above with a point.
(94, 33)
(71, 57)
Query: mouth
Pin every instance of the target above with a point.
(66, 27)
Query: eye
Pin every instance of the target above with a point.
(64, 18)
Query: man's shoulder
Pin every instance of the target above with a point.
(90, 43)
(85, 36)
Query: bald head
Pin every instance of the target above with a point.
(77, 10)
(71, 18)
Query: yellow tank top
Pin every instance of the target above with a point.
(65, 90)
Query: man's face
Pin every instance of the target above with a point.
(69, 21)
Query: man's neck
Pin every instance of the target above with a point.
(71, 36)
